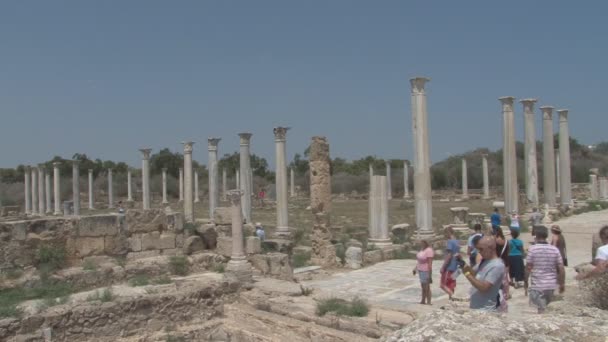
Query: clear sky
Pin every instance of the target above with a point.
(108, 77)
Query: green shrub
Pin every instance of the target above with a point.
(106, 295)
(164, 279)
(219, 268)
(89, 265)
(300, 260)
(47, 290)
(299, 236)
(13, 273)
(356, 307)
(139, 280)
(190, 228)
(51, 258)
(178, 265)
(341, 253)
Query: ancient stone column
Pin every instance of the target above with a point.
(165, 201)
(245, 182)
(530, 152)
(422, 160)
(34, 178)
(281, 181)
(510, 187)
(196, 197)
(181, 184)
(548, 156)
(292, 186)
(486, 176)
(378, 231)
(28, 192)
(224, 185)
(76, 186)
(214, 195)
(41, 202)
(238, 265)
(47, 192)
(369, 196)
(389, 183)
(91, 201)
(323, 252)
(406, 180)
(564, 158)
(465, 180)
(129, 186)
(558, 193)
(145, 177)
(593, 187)
(603, 188)
(188, 197)
(110, 189)
(57, 188)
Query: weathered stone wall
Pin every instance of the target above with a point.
(137, 234)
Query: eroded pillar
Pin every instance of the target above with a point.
(76, 186)
(110, 189)
(530, 152)
(91, 200)
(281, 181)
(465, 180)
(603, 188)
(145, 175)
(181, 184)
(548, 156)
(593, 187)
(214, 195)
(224, 185)
(486, 176)
(196, 197)
(378, 232)
(164, 178)
(244, 180)
(406, 180)
(389, 183)
(292, 186)
(238, 266)
(41, 200)
(47, 192)
(34, 178)
(27, 192)
(57, 188)
(129, 186)
(510, 187)
(188, 197)
(564, 158)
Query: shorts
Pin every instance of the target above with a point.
(495, 229)
(424, 277)
(447, 280)
(541, 298)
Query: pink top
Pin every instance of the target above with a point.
(422, 258)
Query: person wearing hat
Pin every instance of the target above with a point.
(558, 241)
(259, 231)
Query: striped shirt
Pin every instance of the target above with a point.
(545, 260)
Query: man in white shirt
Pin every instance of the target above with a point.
(601, 257)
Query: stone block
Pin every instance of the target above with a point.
(116, 245)
(179, 240)
(173, 251)
(18, 231)
(372, 257)
(166, 241)
(144, 221)
(253, 245)
(354, 257)
(222, 216)
(135, 243)
(175, 222)
(150, 241)
(224, 246)
(88, 246)
(248, 230)
(144, 254)
(209, 235)
(97, 225)
(273, 264)
(193, 244)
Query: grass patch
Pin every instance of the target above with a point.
(341, 307)
(219, 268)
(121, 261)
(106, 295)
(89, 265)
(48, 291)
(14, 273)
(139, 280)
(51, 258)
(171, 338)
(341, 253)
(162, 280)
(178, 265)
(190, 228)
(299, 236)
(300, 260)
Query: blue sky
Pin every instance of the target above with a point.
(108, 77)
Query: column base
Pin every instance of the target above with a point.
(239, 270)
(197, 200)
(425, 234)
(284, 233)
(165, 202)
(380, 242)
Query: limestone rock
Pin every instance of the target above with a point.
(193, 244)
(354, 257)
(253, 245)
(209, 235)
(144, 221)
(224, 246)
(222, 216)
(273, 264)
(372, 257)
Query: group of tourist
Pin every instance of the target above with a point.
(495, 264)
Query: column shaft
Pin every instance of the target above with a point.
(34, 178)
(486, 177)
(129, 186)
(530, 152)
(28, 192)
(245, 184)
(47, 192)
(292, 186)
(548, 156)
(389, 183)
(145, 174)
(41, 201)
(593, 187)
(564, 158)
(165, 186)
(181, 184)
(76, 187)
(465, 180)
(214, 195)
(281, 180)
(91, 196)
(196, 197)
(188, 178)
(224, 184)
(379, 230)
(110, 189)
(406, 180)
(57, 188)
(509, 157)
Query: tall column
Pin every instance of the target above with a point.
(465, 180)
(76, 186)
(603, 188)
(41, 201)
(238, 265)
(47, 192)
(530, 152)
(196, 197)
(110, 189)
(370, 219)
(181, 184)
(406, 180)
(389, 183)
(165, 186)
(548, 156)
(34, 176)
(91, 200)
(188, 197)
(214, 195)
(281, 181)
(244, 179)
(378, 233)
(486, 176)
(28, 193)
(129, 186)
(224, 185)
(556, 165)
(422, 162)
(509, 157)
(593, 186)
(57, 188)
(145, 177)
(564, 158)
(238, 179)
(292, 186)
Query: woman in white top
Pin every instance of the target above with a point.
(601, 257)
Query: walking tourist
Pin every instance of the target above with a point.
(486, 278)
(471, 250)
(559, 241)
(601, 257)
(259, 231)
(516, 260)
(495, 219)
(450, 264)
(545, 269)
(514, 225)
(424, 268)
(536, 218)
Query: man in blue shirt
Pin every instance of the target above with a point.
(495, 219)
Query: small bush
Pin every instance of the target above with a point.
(89, 265)
(165, 279)
(10, 311)
(219, 268)
(179, 265)
(47, 290)
(300, 260)
(299, 236)
(372, 247)
(121, 261)
(356, 307)
(106, 295)
(306, 291)
(341, 253)
(51, 258)
(139, 280)
(189, 228)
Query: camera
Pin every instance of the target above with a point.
(460, 262)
